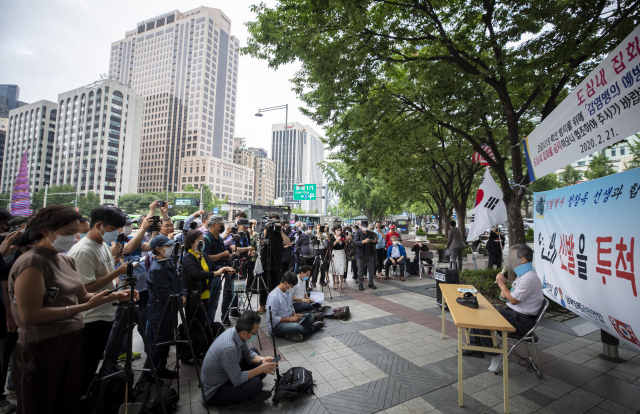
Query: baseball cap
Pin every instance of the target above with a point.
(393, 226)
(216, 218)
(161, 240)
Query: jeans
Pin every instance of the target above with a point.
(365, 263)
(291, 328)
(389, 264)
(521, 323)
(215, 286)
(228, 394)
(95, 336)
(381, 255)
(301, 307)
(457, 253)
(120, 338)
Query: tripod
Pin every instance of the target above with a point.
(319, 260)
(132, 314)
(175, 302)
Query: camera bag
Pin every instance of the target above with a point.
(148, 395)
(293, 383)
(107, 394)
(342, 313)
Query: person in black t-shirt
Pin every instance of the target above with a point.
(272, 265)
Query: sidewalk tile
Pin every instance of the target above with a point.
(616, 390)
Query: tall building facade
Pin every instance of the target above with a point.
(4, 126)
(224, 179)
(32, 129)
(186, 67)
(12, 95)
(297, 150)
(264, 172)
(260, 152)
(97, 139)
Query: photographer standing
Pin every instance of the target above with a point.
(218, 253)
(338, 243)
(321, 243)
(47, 299)
(198, 271)
(242, 247)
(365, 250)
(272, 265)
(94, 263)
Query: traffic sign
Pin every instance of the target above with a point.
(304, 192)
(225, 207)
(187, 202)
(215, 210)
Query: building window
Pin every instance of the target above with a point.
(613, 152)
(622, 151)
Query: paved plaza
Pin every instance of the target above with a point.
(390, 358)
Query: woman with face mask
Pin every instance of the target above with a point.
(47, 299)
(162, 282)
(338, 243)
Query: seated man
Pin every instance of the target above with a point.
(395, 256)
(417, 248)
(301, 301)
(231, 372)
(284, 321)
(524, 301)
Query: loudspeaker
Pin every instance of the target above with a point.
(450, 276)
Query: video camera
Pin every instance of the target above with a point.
(180, 226)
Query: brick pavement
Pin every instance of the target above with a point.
(390, 358)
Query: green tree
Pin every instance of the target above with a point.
(463, 65)
(37, 199)
(5, 200)
(88, 202)
(570, 176)
(634, 148)
(600, 166)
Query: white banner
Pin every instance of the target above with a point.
(597, 113)
(490, 208)
(585, 251)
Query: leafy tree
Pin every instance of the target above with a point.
(88, 202)
(634, 148)
(570, 176)
(600, 166)
(37, 199)
(5, 200)
(463, 65)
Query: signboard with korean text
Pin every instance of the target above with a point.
(304, 192)
(187, 202)
(585, 237)
(599, 112)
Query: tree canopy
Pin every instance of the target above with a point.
(600, 166)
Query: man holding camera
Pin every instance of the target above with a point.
(219, 254)
(365, 251)
(272, 264)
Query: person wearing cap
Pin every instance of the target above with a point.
(162, 282)
(418, 247)
(215, 248)
(392, 232)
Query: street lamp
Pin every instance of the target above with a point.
(286, 125)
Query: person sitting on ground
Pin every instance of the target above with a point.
(231, 372)
(417, 248)
(396, 255)
(524, 301)
(284, 321)
(301, 301)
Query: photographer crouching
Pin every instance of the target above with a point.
(47, 298)
(274, 240)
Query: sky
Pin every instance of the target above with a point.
(52, 46)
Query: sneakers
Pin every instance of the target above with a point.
(318, 325)
(262, 309)
(123, 357)
(294, 337)
(360, 287)
(262, 396)
(7, 407)
(372, 286)
(402, 278)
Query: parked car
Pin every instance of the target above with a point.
(528, 223)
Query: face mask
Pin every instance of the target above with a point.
(198, 222)
(338, 233)
(305, 278)
(110, 236)
(395, 243)
(62, 243)
(127, 230)
(82, 235)
(253, 338)
(167, 253)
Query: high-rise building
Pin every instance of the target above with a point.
(297, 150)
(12, 93)
(97, 140)
(186, 67)
(239, 142)
(32, 129)
(4, 125)
(225, 179)
(264, 172)
(260, 152)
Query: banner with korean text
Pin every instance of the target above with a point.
(601, 111)
(585, 238)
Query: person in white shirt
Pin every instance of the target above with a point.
(524, 302)
(301, 301)
(94, 263)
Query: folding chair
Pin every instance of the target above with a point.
(530, 339)
(444, 256)
(424, 256)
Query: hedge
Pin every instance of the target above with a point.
(529, 236)
(420, 232)
(484, 280)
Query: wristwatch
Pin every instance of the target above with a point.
(261, 359)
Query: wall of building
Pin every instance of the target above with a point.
(225, 179)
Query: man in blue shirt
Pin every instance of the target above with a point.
(283, 320)
(396, 255)
(219, 254)
(381, 251)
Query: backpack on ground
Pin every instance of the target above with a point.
(317, 316)
(411, 269)
(106, 395)
(148, 395)
(342, 313)
(293, 383)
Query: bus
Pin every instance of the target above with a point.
(327, 220)
(134, 218)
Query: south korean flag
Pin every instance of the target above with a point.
(489, 210)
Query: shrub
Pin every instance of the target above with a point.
(529, 236)
(439, 247)
(484, 280)
(467, 250)
(420, 232)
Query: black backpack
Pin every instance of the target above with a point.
(340, 313)
(147, 394)
(293, 383)
(105, 396)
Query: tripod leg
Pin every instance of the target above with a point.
(193, 355)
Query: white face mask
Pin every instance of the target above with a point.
(198, 222)
(63, 243)
(127, 230)
(110, 236)
(395, 243)
(167, 252)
